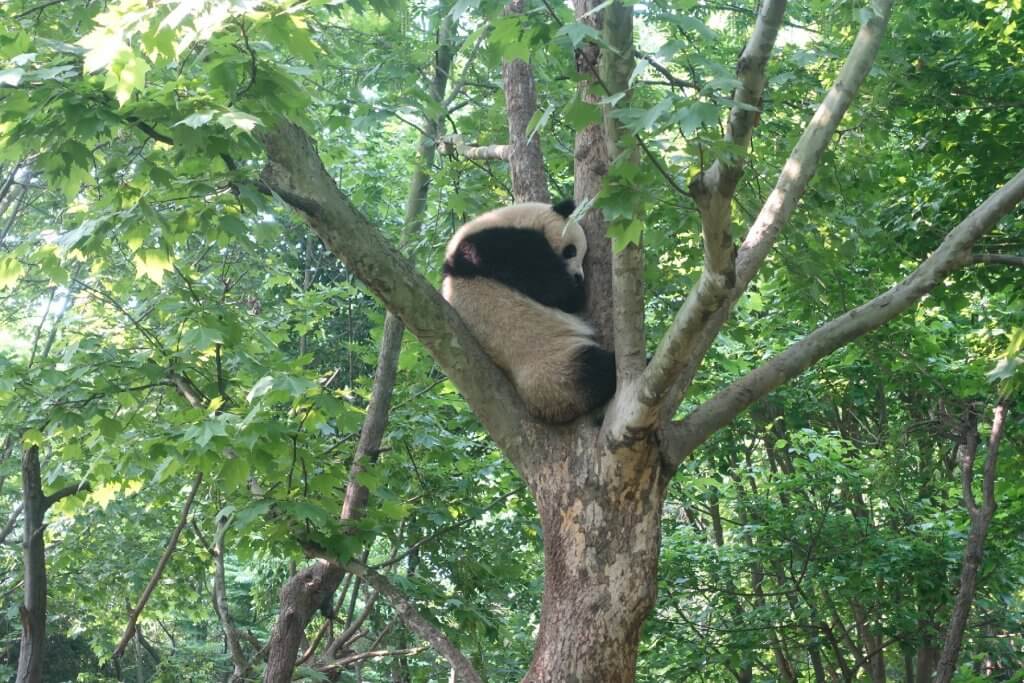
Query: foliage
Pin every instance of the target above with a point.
(162, 318)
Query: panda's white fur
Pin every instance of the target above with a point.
(513, 277)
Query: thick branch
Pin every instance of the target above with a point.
(590, 165)
(723, 407)
(698, 323)
(297, 175)
(172, 543)
(417, 623)
(69, 490)
(301, 596)
(803, 162)
(486, 153)
(449, 144)
(616, 66)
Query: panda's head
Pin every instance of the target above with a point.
(564, 235)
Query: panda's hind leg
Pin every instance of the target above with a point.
(595, 375)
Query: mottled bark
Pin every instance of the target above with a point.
(601, 513)
(301, 596)
(590, 167)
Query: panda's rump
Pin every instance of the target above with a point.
(551, 356)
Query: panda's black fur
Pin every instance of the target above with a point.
(515, 276)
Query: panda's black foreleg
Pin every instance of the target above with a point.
(595, 369)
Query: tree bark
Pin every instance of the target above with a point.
(33, 611)
(306, 591)
(590, 167)
(600, 498)
(525, 159)
(600, 512)
(981, 516)
(220, 605)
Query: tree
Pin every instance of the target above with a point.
(208, 93)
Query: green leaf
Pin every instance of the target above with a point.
(394, 509)
(202, 433)
(240, 120)
(538, 121)
(507, 37)
(580, 114)
(33, 437)
(197, 120)
(11, 77)
(371, 479)
(130, 76)
(201, 338)
(623, 235)
(696, 115)
(235, 473)
(577, 32)
(264, 385)
(295, 386)
(11, 271)
(153, 263)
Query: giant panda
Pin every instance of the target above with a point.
(515, 276)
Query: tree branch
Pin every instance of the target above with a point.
(525, 160)
(69, 490)
(699, 322)
(999, 259)
(975, 547)
(724, 406)
(133, 618)
(296, 174)
(713, 191)
(417, 623)
(220, 603)
(11, 522)
(616, 67)
(457, 143)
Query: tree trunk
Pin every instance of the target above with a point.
(927, 659)
(981, 516)
(33, 611)
(525, 161)
(591, 165)
(600, 512)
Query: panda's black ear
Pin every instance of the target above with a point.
(564, 208)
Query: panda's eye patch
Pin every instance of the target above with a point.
(569, 251)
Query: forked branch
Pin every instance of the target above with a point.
(417, 623)
(713, 190)
(728, 403)
(694, 330)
